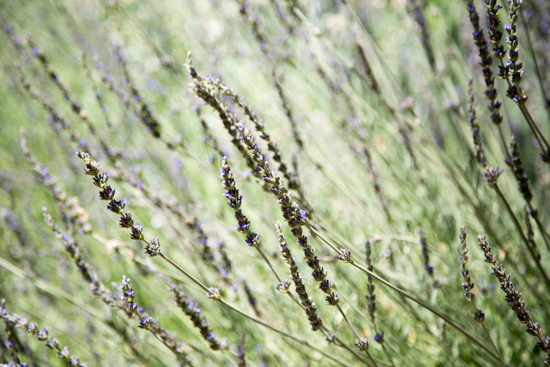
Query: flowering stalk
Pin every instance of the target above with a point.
(43, 173)
(150, 324)
(366, 64)
(10, 322)
(49, 68)
(513, 70)
(474, 127)
(209, 136)
(97, 93)
(514, 162)
(416, 11)
(307, 302)
(513, 297)
(353, 124)
(97, 288)
(490, 176)
(296, 218)
(107, 193)
(407, 295)
(467, 285)
(271, 55)
(253, 239)
(426, 256)
(145, 114)
(260, 127)
(371, 301)
(486, 59)
(241, 360)
(203, 89)
(243, 224)
(199, 321)
(284, 11)
(486, 62)
(152, 249)
(55, 117)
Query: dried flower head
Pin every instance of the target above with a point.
(491, 175)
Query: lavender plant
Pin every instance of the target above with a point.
(343, 121)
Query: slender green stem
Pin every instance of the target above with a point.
(354, 332)
(503, 140)
(268, 263)
(534, 58)
(387, 354)
(520, 230)
(489, 337)
(244, 314)
(180, 269)
(347, 347)
(286, 335)
(187, 362)
(535, 216)
(428, 307)
(493, 344)
(354, 307)
(412, 298)
(532, 124)
(528, 116)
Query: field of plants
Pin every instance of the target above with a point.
(274, 183)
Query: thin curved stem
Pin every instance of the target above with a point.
(532, 124)
(488, 336)
(535, 216)
(412, 298)
(355, 332)
(251, 318)
(268, 262)
(428, 307)
(520, 230)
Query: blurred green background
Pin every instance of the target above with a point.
(438, 187)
